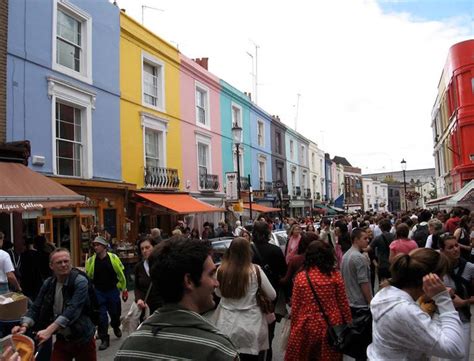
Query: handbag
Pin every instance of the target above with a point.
(348, 339)
(265, 304)
(132, 320)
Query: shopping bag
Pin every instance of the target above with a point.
(132, 320)
(285, 332)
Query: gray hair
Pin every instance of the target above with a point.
(436, 224)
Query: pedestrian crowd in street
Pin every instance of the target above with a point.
(402, 285)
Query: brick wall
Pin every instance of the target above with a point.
(3, 68)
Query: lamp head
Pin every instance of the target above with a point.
(237, 133)
(404, 164)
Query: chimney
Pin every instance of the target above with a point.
(248, 95)
(202, 62)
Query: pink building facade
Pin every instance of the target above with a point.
(201, 136)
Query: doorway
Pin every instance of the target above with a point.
(64, 230)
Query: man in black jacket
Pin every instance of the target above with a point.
(61, 308)
(380, 246)
(272, 261)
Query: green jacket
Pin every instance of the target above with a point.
(116, 264)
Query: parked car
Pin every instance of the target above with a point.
(219, 246)
(279, 238)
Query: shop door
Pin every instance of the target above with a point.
(86, 234)
(110, 221)
(45, 227)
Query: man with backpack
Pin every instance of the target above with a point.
(63, 308)
(106, 272)
(420, 231)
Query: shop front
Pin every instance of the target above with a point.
(166, 210)
(28, 200)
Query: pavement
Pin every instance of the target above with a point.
(278, 354)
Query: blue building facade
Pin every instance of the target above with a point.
(63, 86)
(235, 108)
(261, 155)
(63, 95)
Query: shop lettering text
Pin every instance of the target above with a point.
(23, 206)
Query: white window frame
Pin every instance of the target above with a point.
(160, 65)
(262, 165)
(69, 94)
(207, 114)
(260, 136)
(85, 19)
(206, 140)
(157, 124)
(239, 121)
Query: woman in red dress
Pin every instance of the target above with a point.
(308, 335)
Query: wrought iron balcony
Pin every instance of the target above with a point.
(268, 187)
(307, 193)
(208, 182)
(297, 191)
(161, 178)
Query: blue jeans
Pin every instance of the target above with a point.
(109, 302)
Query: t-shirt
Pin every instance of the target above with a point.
(380, 245)
(105, 278)
(404, 246)
(6, 266)
(355, 271)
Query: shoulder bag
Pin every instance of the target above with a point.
(265, 304)
(342, 338)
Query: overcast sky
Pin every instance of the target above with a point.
(367, 71)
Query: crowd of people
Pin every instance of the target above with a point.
(405, 280)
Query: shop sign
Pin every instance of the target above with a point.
(259, 194)
(296, 203)
(231, 185)
(22, 206)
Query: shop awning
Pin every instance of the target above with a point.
(179, 203)
(260, 208)
(325, 209)
(22, 189)
(441, 201)
(463, 198)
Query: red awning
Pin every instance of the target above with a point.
(22, 189)
(179, 203)
(259, 208)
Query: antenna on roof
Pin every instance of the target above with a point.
(297, 109)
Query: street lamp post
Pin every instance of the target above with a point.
(237, 135)
(404, 168)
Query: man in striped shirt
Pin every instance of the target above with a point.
(184, 274)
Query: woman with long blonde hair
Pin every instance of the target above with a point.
(238, 315)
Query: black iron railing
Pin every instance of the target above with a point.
(161, 178)
(208, 182)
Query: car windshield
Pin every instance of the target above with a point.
(282, 237)
(219, 246)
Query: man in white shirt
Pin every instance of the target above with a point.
(7, 271)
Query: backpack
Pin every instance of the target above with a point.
(93, 309)
(421, 234)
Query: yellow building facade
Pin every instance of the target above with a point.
(149, 109)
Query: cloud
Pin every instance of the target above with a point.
(367, 79)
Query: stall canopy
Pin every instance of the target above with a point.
(260, 208)
(463, 198)
(22, 189)
(439, 202)
(322, 208)
(179, 203)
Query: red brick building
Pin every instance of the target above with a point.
(453, 121)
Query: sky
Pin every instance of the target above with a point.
(358, 77)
